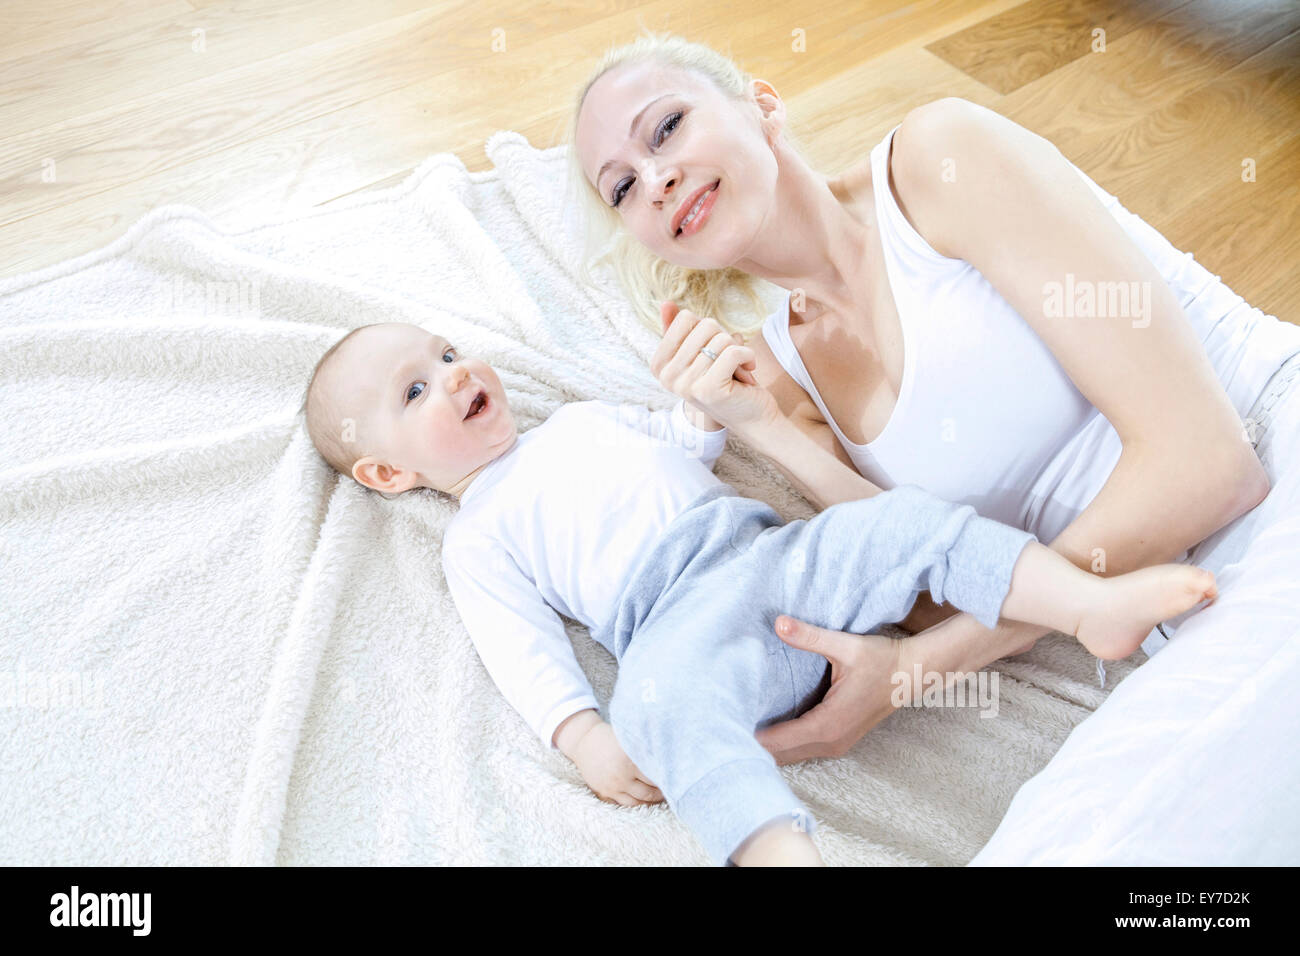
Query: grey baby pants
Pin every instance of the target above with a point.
(701, 667)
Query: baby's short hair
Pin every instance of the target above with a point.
(325, 413)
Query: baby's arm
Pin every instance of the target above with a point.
(518, 636)
(590, 743)
(522, 644)
(683, 425)
(700, 420)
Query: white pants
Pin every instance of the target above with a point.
(1192, 759)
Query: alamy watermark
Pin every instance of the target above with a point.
(1087, 299)
(52, 690)
(230, 298)
(75, 908)
(946, 689)
(634, 426)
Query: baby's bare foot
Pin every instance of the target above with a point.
(1130, 605)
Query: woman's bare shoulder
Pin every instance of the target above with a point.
(911, 155)
(924, 167)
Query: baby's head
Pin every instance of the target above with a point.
(397, 407)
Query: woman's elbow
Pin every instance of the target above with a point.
(1248, 485)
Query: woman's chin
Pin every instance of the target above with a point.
(695, 259)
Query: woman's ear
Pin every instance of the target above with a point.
(771, 106)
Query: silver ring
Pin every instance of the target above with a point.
(709, 354)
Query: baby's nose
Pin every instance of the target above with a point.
(457, 379)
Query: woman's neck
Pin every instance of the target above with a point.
(811, 243)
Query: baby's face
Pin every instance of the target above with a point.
(432, 416)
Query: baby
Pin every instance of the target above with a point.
(611, 515)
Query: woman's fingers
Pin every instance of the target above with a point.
(792, 741)
(731, 358)
(746, 360)
(667, 312)
(675, 371)
(679, 324)
(729, 364)
(864, 671)
(685, 336)
(746, 371)
(835, 646)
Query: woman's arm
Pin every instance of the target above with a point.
(773, 414)
(1021, 215)
(746, 390)
(866, 671)
(808, 454)
(791, 442)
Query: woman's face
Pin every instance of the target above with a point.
(686, 137)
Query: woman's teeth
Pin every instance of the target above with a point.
(694, 209)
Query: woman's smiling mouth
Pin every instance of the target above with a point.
(691, 218)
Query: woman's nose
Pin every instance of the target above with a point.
(657, 182)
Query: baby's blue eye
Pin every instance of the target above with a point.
(422, 385)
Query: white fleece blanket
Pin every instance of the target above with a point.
(215, 650)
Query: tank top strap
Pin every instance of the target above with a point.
(776, 331)
(898, 236)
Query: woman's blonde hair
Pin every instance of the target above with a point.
(727, 294)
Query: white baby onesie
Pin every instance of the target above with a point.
(557, 523)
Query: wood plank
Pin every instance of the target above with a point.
(94, 151)
(259, 138)
(114, 63)
(35, 27)
(1167, 159)
(1100, 95)
(1034, 39)
(1245, 233)
(124, 142)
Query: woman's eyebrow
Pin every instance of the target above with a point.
(632, 129)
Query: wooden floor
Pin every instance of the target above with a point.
(256, 108)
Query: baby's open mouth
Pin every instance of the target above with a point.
(476, 406)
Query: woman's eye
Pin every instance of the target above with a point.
(667, 126)
(412, 394)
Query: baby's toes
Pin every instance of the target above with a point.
(1208, 585)
(1201, 584)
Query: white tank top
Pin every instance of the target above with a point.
(985, 415)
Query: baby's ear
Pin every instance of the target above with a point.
(381, 476)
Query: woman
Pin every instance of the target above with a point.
(970, 313)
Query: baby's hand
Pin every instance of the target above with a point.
(609, 772)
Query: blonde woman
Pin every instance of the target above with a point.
(969, 312)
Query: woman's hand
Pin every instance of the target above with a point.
(869, 672)
(861, 693)
(723, 388)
